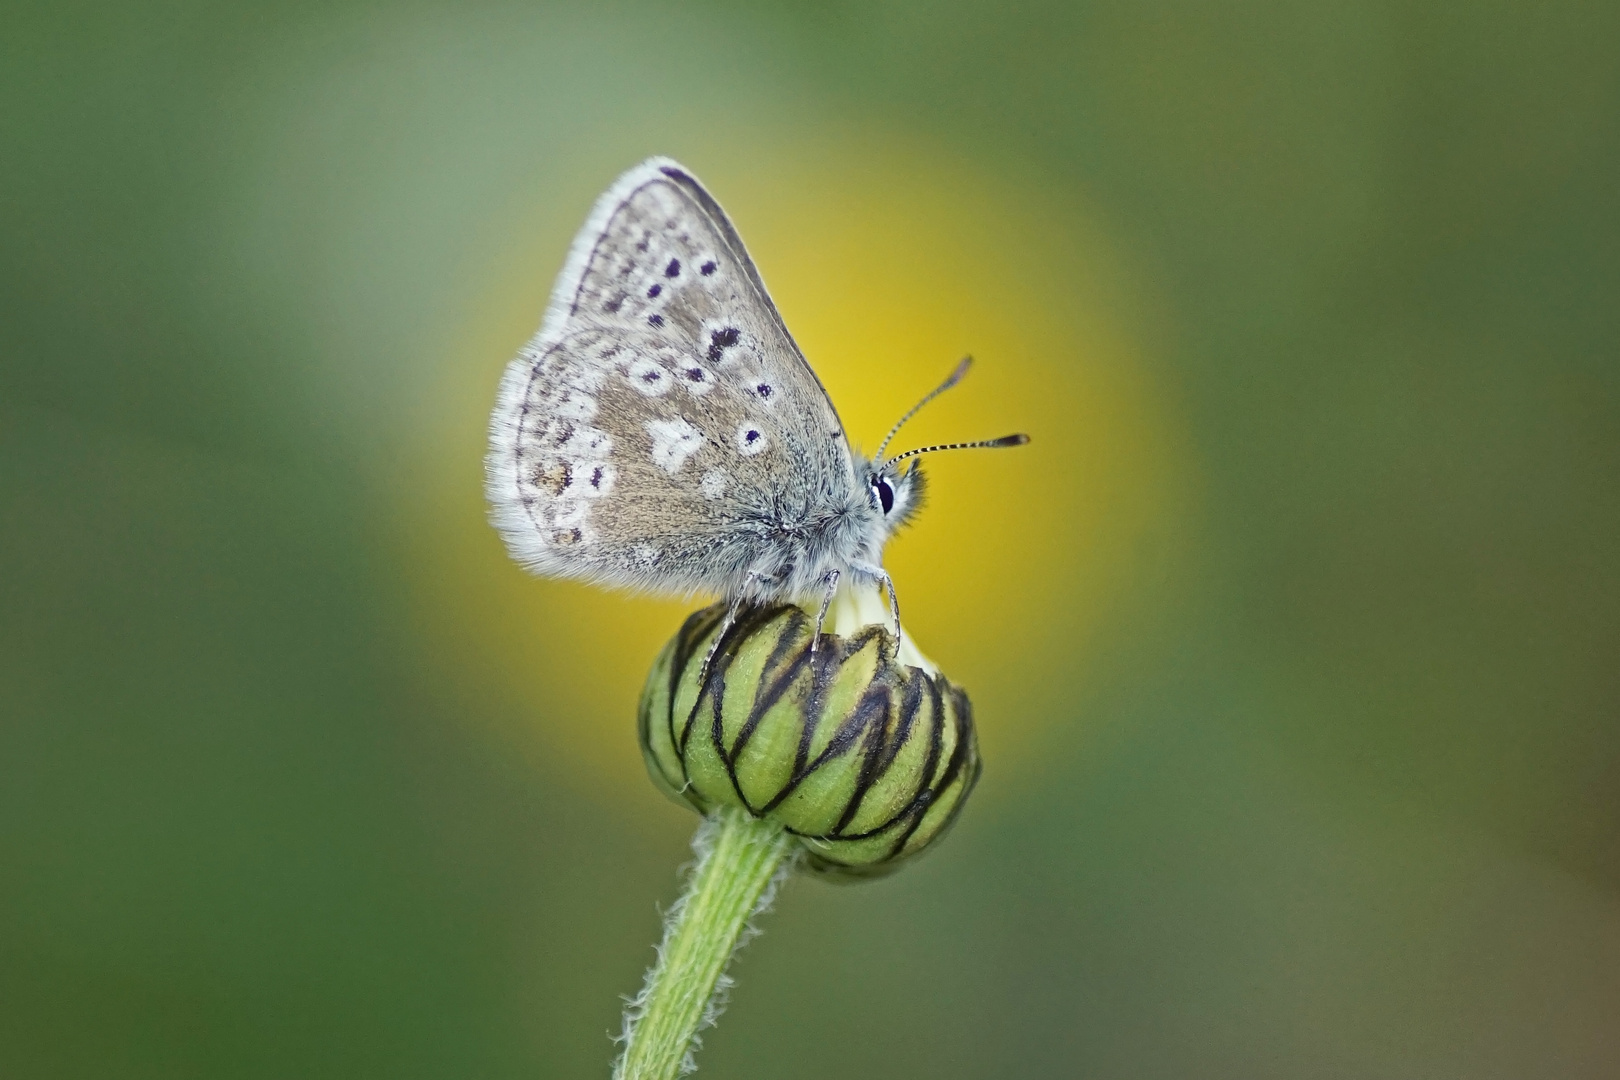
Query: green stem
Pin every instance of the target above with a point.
(739, 860)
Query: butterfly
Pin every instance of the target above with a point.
(663, 432)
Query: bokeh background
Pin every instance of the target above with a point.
(1294, 635)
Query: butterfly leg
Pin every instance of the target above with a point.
(881, 576)
(831, 581)
(725, 625)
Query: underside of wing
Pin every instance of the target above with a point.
(662, 430)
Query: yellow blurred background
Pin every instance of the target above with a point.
(1292, 636)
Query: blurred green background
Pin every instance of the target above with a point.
(1295, 635)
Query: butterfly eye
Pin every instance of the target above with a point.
(885, 493)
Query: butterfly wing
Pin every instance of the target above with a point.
(662, 430)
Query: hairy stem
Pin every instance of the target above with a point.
(741, 860)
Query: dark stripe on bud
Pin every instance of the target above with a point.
(866, 759)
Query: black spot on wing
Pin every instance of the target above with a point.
(673, 269)
(707, 268)
(720, 341)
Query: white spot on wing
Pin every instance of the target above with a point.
(593, 479)
(673, 441)
(648, 377)
(574, 405)
(713, 484)
(594, 442)
(752, 438)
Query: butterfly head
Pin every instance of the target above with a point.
(896, 494)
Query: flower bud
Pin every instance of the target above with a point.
(865, 758)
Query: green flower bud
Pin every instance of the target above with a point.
(867, 759)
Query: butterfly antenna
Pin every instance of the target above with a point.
(1005, 440)
(955, 377)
